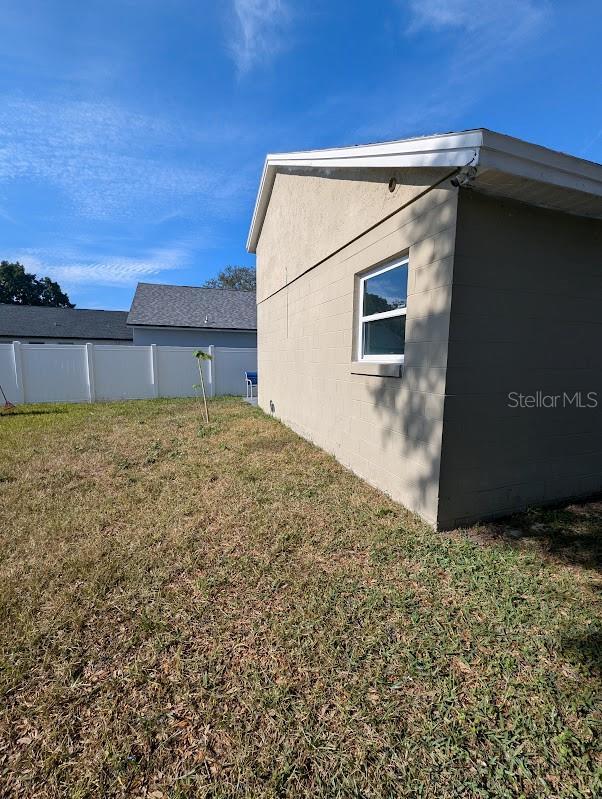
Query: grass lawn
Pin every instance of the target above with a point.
(225, 611)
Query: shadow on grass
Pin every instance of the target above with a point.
(16, 413)
(587, 650)
(568, 534)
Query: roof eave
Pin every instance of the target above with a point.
(488, 150)
(446, 150)
(531, 161)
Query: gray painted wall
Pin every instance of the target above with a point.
(526, 317)
(188, 337)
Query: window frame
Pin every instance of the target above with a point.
(361, 319)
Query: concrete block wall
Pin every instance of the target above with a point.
(525, 317)
(387, 430)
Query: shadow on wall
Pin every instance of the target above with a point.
(414, 405)
(406, 176)
(420, 451)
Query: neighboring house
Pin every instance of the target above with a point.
(190, 316)
(33, 324)
(406, 300)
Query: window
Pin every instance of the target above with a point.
(383, 297)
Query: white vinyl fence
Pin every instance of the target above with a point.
(100, 372)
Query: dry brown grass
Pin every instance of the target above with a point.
(225, 611)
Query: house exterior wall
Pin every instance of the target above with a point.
(386, 429)
(185, 337)
(525, 317)
(311, 213)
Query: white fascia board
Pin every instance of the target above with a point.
(384, 151)
(447, 150)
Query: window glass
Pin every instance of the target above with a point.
(387, 291)
(382, 313)
(384, 336)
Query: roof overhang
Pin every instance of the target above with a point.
(505, 166)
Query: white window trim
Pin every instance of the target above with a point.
(384, 315)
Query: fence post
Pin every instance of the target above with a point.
(154, 370)
(18, 366)
(211, 370)
(90, 372)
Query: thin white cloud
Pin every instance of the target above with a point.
(505, 23)
(72, 269)
(440, 14)
(590, 143)
(261, 31)
(109, 163)
(111, 271)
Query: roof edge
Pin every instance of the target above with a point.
(193, 327)
(481, 147)
(59, 308)
(444, 150)
(185, 286)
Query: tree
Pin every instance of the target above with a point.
(239, 278)
(18, 287)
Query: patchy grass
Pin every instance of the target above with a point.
(225, 611)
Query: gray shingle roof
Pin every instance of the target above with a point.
(22, 321)
(191, 306)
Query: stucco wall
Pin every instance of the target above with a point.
(526, 317)
(387, 430)
(194, 338)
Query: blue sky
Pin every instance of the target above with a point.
(133, 132)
